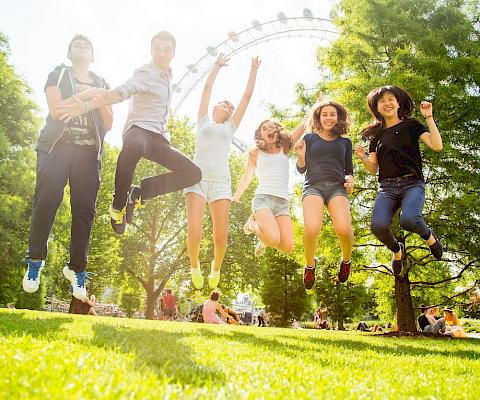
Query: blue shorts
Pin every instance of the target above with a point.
(327, 190)
(278, 205)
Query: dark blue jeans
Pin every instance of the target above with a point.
(406, 193)
(80, 168)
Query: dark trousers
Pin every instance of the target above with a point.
(80, 168)
(406, 193)
(139, 143)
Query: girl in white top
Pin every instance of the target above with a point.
(214, 140)
(270, 221)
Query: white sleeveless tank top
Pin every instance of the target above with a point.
(272, 172)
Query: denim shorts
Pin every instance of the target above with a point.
(211, 191)
(327, 190)
(278, 205)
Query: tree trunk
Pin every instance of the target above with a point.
(150, 311)
(403, 298)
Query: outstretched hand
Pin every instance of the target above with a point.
(256, 62)
(222, 60)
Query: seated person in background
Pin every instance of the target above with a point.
(362, 326)
(422, 318)
(233, 318)
(210, 309)
(296, 324)
(452, 324)
(435, 325)
(86, 307)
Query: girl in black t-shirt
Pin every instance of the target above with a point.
(326, 158)
(394, 153)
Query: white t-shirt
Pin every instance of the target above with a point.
(213, 148)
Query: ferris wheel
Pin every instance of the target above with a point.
(306, 26)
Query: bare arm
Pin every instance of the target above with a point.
(247, 95)
(432, 138)
(79, 107)
(220, 309)
(298, 132)
(370, 161)
(207, 89)
(247, 177)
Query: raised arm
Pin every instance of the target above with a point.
(370, 161)
(247, 95)
(432, 138)
(298, 132)
(246, 179)
(207, 89)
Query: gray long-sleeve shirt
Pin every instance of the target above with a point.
(149, 89)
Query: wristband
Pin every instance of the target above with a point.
(429, 116)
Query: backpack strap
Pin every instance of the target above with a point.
(60, 77)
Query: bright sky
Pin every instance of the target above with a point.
(39, 33)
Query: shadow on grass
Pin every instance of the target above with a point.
(163, 353)
(287, 344)
(18, 323)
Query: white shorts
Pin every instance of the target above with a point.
(211, 191)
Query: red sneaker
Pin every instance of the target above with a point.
(343, 271)
(309, 276)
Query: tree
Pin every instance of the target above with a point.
(18, 131)
(421, 46)
(282, 291)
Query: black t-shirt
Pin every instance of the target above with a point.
(327, 160)
(398, 150)
(80, 130)
(423, 322)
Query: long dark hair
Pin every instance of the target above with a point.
(378, 124)
(283, 139)
(343, 119)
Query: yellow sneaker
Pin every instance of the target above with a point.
(213, 278)
(197, 277)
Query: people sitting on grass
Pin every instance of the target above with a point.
(450, 325)
(211, 308)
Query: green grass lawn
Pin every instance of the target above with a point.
(60, 356)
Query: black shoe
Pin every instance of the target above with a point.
(134, 201)
(343, 271)
(117, 219)
(309, 276)
(436, 249)
(397, 265)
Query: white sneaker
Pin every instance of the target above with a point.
(197, 277)
(77, 280)
(213, 279)
(31, 279)
(249, 227)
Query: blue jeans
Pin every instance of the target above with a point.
(407, 193)
(80, 168)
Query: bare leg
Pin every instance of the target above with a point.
(219, 211)
(195, 207)
(339, 209)
(313, 222)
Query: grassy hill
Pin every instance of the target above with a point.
(60, 356)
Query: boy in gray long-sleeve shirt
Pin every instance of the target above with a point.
(144, 134)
